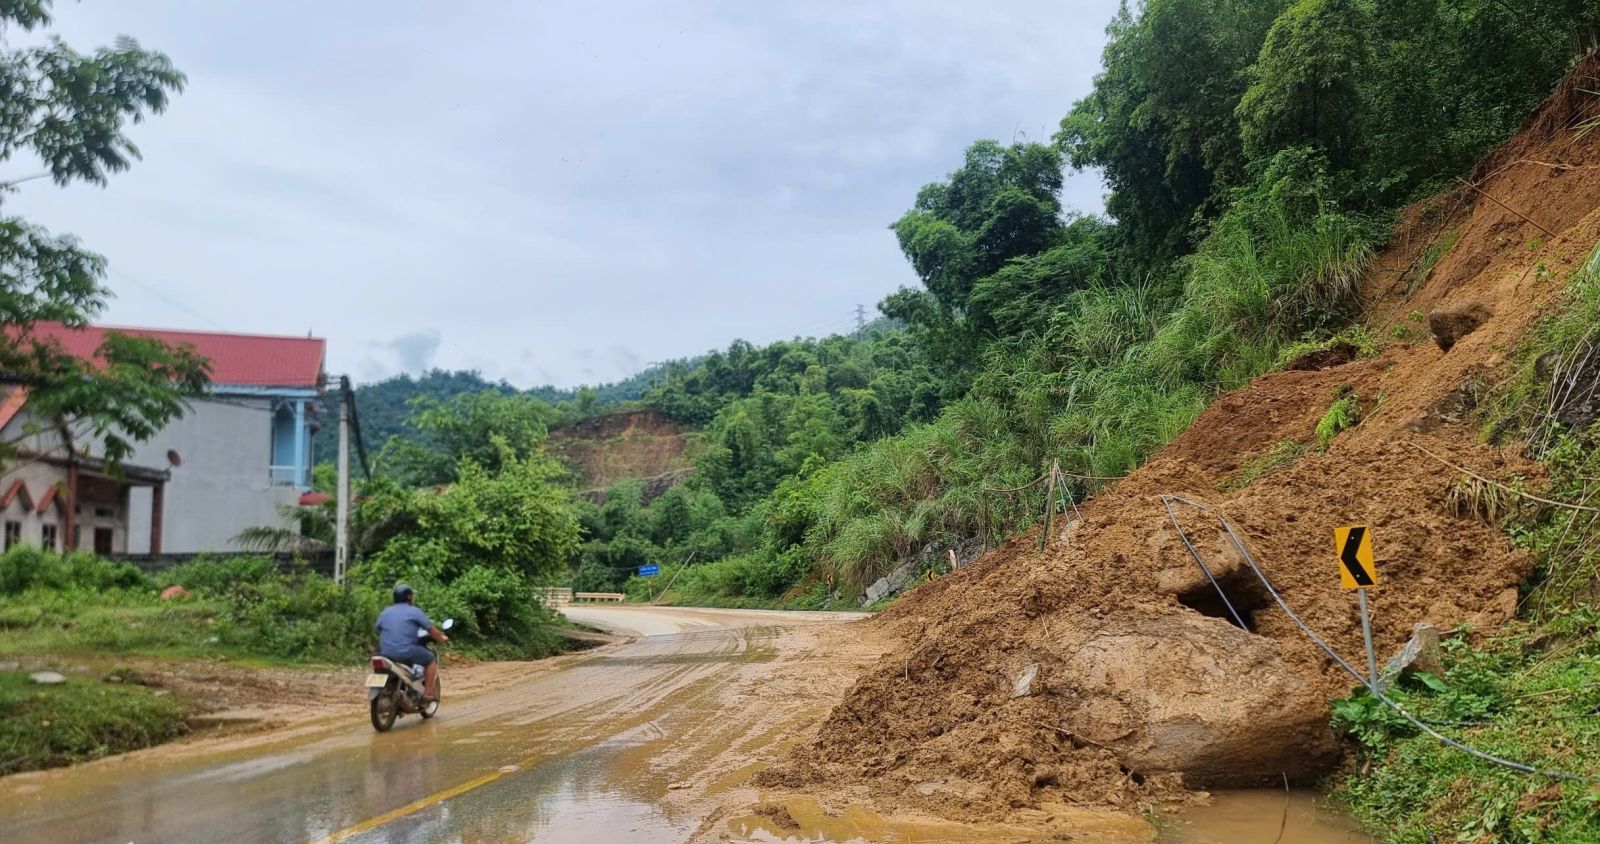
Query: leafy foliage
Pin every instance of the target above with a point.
(71, 110)
(1515, 697)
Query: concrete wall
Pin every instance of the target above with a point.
(222, 484)
(39, 477)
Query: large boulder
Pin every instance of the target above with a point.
(1196, 696)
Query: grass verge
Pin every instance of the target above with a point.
(1528, 696)
(44, 726)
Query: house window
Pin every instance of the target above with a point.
(49, 538)
(13, 534)
(105, 512)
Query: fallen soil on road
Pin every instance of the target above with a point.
(1103, 670)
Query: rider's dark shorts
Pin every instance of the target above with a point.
(414, 655)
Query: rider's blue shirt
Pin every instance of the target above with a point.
(398, 626)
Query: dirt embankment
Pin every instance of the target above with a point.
(1102, 670)
(618, 446)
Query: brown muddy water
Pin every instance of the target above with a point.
(1239, 817)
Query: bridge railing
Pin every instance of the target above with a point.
(553, 596)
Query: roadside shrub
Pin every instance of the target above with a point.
(26, 567)
(219, 577)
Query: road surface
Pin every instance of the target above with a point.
(622, 744)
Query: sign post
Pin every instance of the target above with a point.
(650, 570)
(1357, 571)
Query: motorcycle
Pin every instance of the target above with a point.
(395, 689)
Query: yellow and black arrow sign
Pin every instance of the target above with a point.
(1354, 544)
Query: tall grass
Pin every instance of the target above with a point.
(1122, 370)
(1118, 370)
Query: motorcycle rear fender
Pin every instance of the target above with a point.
(399, 673)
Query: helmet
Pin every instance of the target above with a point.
(403, 592)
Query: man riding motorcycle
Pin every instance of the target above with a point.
(398, 627)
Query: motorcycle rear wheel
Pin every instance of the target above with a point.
(384, 711)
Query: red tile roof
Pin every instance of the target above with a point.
(15, 399)
(237, 360)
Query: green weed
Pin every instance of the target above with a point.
(1518, 696)
(1278, 457)
(1342, 415)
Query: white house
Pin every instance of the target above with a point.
(228, 464)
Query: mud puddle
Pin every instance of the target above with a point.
(1245, 817)
(1241, 817)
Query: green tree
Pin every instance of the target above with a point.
(71, 110)
(1305, 87)
(515, 519)
(1160, 122)
(483, 428)
(1002, 203)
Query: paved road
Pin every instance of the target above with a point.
(582, 748)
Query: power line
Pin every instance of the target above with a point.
(154, 291)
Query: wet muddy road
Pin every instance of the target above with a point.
(587, 747)
(651, 740)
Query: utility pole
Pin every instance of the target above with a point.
(341, 539)
(861, 319)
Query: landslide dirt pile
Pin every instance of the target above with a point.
(618, 446)
(1101, 670)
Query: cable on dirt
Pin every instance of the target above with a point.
(1369, 683)
(1514, 491)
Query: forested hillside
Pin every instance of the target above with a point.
(385, 405)
(1255, 156)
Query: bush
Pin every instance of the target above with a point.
(26, 567)
(219, 577)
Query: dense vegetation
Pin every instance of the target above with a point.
(68, 110)
(1255, 154)
(386, 405)
(1527, 693)
(240, 608)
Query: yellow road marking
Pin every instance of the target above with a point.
(409, 808)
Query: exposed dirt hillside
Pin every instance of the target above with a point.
(616, 446)
(1138, 686)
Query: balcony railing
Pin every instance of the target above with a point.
(287, 476)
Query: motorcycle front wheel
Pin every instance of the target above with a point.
(431, 707)
(384, 710)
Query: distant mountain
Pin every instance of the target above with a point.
(385, 405)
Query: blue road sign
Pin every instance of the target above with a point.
(649, 571)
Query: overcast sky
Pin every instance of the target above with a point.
(552, 192)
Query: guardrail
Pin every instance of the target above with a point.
(553, 596)
(599, 596)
